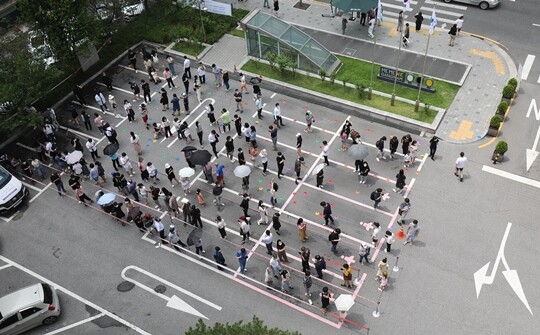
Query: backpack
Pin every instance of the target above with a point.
(307, 281)
(216, 190)
(373, 195)
(113, 132)
(331, 236)
(378, 144)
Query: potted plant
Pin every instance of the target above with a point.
(508, 92)
(494, 124)
(501, 109)
(498, 154)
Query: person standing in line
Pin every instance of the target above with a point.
(305, 253)
(268, 278)
(259, 105)
(173, 206)
(320, 265)
(217, 75)
(170, 64)
(199, 247)
(79, 192)
(389, 237)
(412, 232)
(101, 101)
(280, 160)
(394, 143)
(244, 204)
(400, 181)
(241, 157)
(86, 119)
(376, 196)
(334, 239)
(221, 227)
(264, 160)
(347, 275)
(98, 121)
(383, 282)
(400, 21)
(225, 77)
(225, 118)
(286, 281)
(126, 164)
(460, 165)
(238, 125)
(298, 168)
(273, 190)
(382, 269)
(146, 91)
(92, 147)
(433, 142)
(418, 21)
(320, 178)
(219, 174)
(371, 27)
(167, 74)
(219, 258)
(302, 229)
(276, 8)
(459, 24)
(263, 212)
(107, 81)
(238, 99)
(160, 228)
(196, 217)
(154, 192)
(217, 191)
(79, 94)
(174, 239)
(380, 147)
(276, 224)
(309, 121)
(343, 26)
(185, 81)
(132, 57)
(57, 181)
(242, 257)
(134, 139)
(325, 150)
(364, 253)
(213, 139)
(281, 252)
(229, 148)
(187, 67)
(363, 171)
(273, 135)
(136, 90)
(245, 228)
(405, 142)
(325, 298)
(198, 90)
(278, 120)
(327, 212)
(169, 171)
(453, 33)
(299, 141)
(307, 286)
(201, 72)
(275, 265)
(268, 240)
(375, 233)
(186, 210)
(243, 84)
(403, 209)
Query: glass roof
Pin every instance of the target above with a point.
(303, 43)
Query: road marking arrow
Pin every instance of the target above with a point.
(532, 154)
(481, 277)
(174, 301)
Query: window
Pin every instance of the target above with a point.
(29, 311)
(9, 321)
(47, 294)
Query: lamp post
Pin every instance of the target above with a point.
(393, 99)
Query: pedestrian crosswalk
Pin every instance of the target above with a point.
(446, 12)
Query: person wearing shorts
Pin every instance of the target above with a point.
(460, 164)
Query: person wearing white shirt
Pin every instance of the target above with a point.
(100, 99)
(259, 105)
(268, 239)
(325, 150)
(460, 164)
(244, 228)
(187, 67)
(91, 145)
(275, 265)
(126, 163)
(277, 115)
(160, 228)
(221, 227)
(459, 24)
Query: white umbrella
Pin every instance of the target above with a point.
(317, 169)
(344, 302)
(186, 172)
(74, 157)
(242, 171)
(358, 151)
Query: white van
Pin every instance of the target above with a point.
(28, 308)
(12, 191)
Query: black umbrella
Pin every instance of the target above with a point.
(110, 149)
(133, 213)
(201, 157)
(189, 148)
(194, 236)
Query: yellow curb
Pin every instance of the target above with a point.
(499, 66)
(488, 143)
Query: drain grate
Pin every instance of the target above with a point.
(349, 51)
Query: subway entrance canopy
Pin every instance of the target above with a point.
(266, 34)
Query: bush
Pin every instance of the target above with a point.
(282, 63)
(495, 121)
(503, 106)
(322, 73)
(271, 58)
(508, 91)
(513, 82)
(333, 76)
(501, 147)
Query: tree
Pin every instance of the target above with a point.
(255, 326)
(68, 26)
(23, 80)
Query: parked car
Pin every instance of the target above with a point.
(28, 308)
(483, 4)
(12, 192)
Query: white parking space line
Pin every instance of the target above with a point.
(527, 67)
(442, 4)
(536, 24)
(75, 296)
(93, 108)
(9, 218)
(73, 325)
(210, 100)
(5, 266)
(85, 135)
(40, 192)
(37, 189)
(422, 162)
(511, 176)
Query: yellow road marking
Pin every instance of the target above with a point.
(463, 132)
(499, 66)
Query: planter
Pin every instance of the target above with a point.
(492, 131)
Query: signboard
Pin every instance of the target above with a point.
(217, 7)
(387, 73)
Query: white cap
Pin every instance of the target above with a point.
(298, 135)
(167, 165)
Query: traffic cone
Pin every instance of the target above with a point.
(400, 234)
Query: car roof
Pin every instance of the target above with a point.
(20, 299)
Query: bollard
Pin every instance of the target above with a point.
(376, 312)
(396, 267)
(357, 279)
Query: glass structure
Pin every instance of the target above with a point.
(266, 34)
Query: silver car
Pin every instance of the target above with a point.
(28, 308)
(483, 4)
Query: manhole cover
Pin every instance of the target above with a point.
(349, 51)
(160, 289)
(125, 286)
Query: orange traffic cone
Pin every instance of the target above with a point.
(400, 234)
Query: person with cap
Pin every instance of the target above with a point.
(298, 144)
(298, 168)
(174, 239)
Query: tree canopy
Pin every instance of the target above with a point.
(255, 326)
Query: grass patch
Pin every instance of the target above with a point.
(188, 47)
(237, 32)
(354, 68)
(337, 90)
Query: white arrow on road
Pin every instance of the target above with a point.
(532, 154)
(174, 301)
(481, 277)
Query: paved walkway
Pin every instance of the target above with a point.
(467, 119)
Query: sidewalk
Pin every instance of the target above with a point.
(467, 119)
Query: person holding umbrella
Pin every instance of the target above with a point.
(118, 212)
(186, 185)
